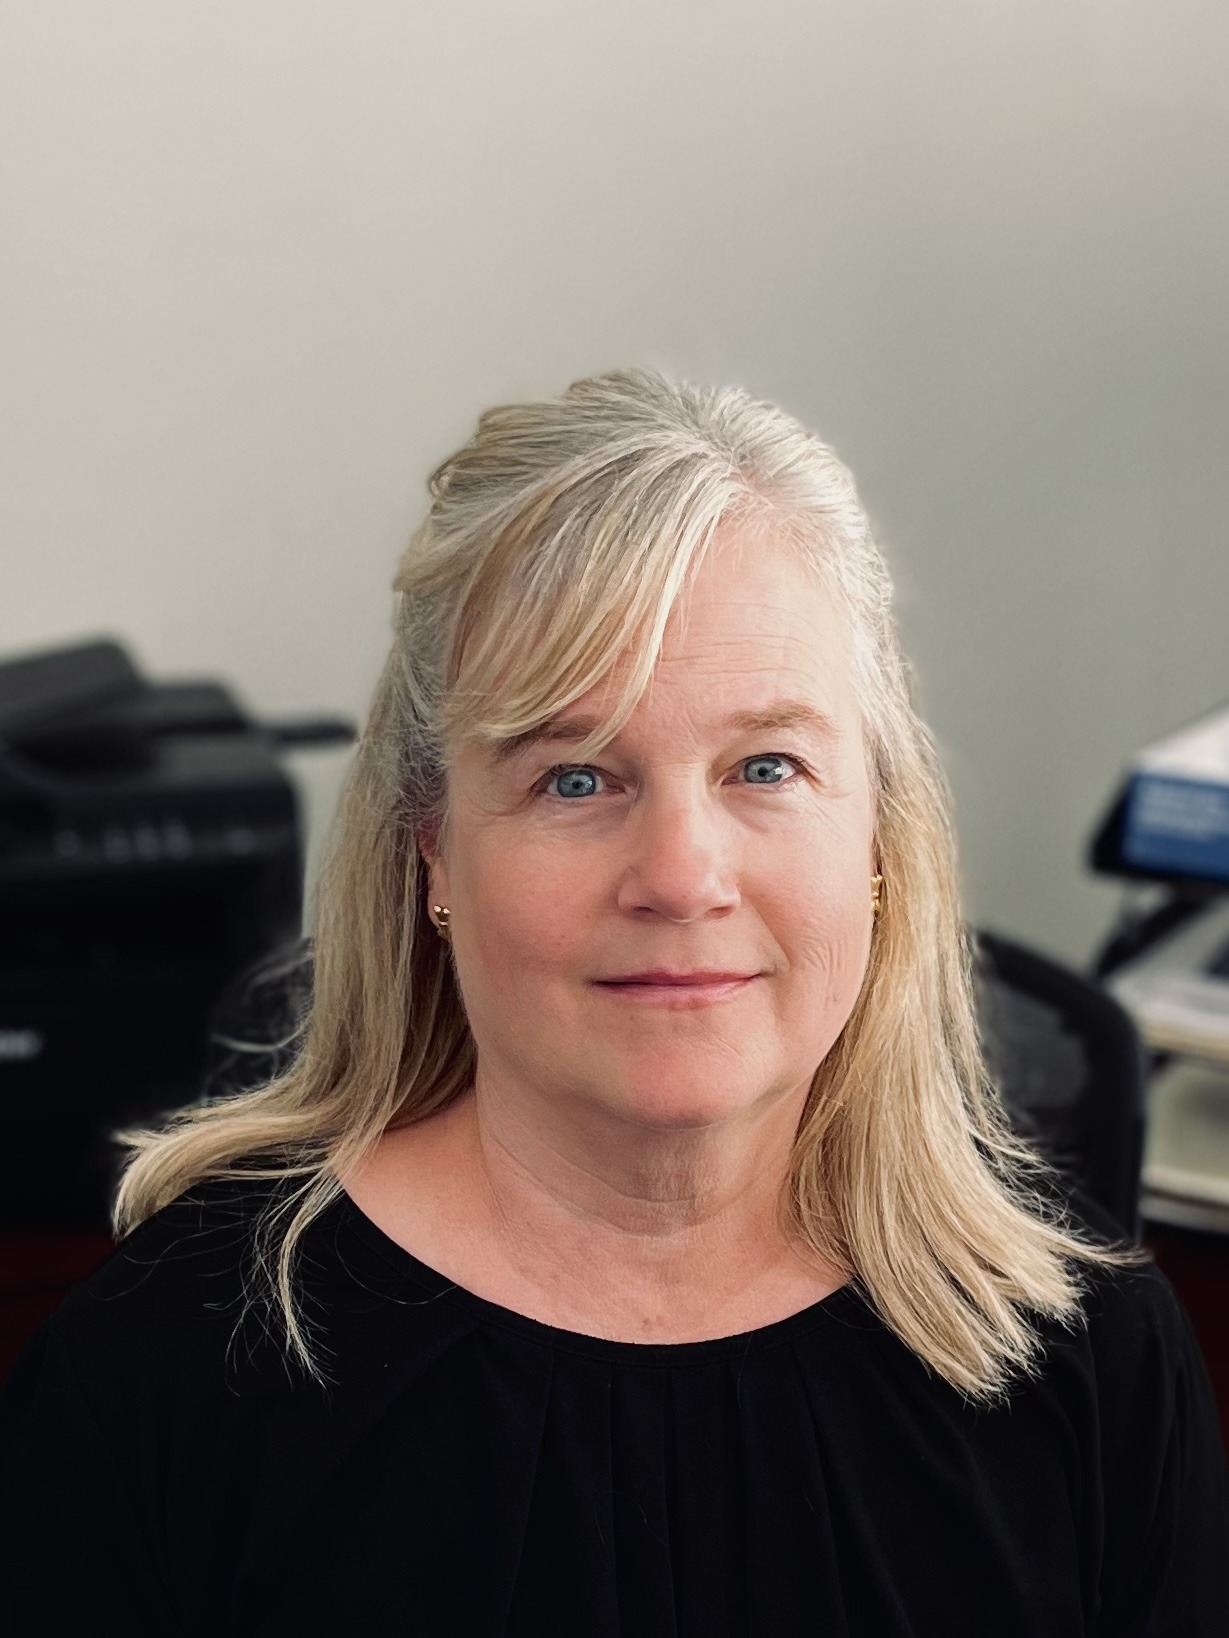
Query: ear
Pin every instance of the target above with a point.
(426, 837)
(437, 871)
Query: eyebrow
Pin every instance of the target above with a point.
(782, 714)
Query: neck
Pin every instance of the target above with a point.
(648, 1223)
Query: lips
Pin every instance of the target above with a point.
(689, 980)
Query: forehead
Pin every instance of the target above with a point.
(754, 598)
(754, 642)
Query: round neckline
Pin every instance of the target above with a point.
(836, 1304)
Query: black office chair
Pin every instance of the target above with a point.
(1072, 1069)
(1066, 1055)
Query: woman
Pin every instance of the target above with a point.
(636, 1243)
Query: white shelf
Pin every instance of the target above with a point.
(1180, 1008)
(1186, 1214)
(1186, 1146)
(1176, 1005)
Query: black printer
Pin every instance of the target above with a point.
(150, 849)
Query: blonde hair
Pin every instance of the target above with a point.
(556, 544)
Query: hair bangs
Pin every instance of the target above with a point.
(578, 592)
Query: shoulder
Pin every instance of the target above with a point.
(187, 1304)
(137, 1364)
(187, 1263)
(1139, 1344)
(185, 1310)
(1130, 1335)
(1140, 1375)
(1158, 1451)
(153, 1421)
(1133, 1318)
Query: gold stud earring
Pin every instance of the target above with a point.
(442, 924)
(876, 902)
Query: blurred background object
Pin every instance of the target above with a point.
(150, 848)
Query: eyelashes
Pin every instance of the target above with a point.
(541, 785)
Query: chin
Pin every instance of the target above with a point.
(683, 1102)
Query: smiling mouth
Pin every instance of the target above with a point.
(688, 980)
(673, 994)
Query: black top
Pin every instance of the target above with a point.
(475, 1472)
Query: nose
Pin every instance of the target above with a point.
(681, 861)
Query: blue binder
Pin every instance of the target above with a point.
(1175, 819)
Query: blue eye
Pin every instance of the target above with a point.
(573, 772)
(581, 771)
(769, 757)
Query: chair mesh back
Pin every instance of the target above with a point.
(1070, 1065)
(1041, 1067)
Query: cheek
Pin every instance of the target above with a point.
(826, 936)
(822, 984)
(530, 922)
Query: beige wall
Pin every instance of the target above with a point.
(262, 261)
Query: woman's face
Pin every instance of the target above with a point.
(691, 843)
